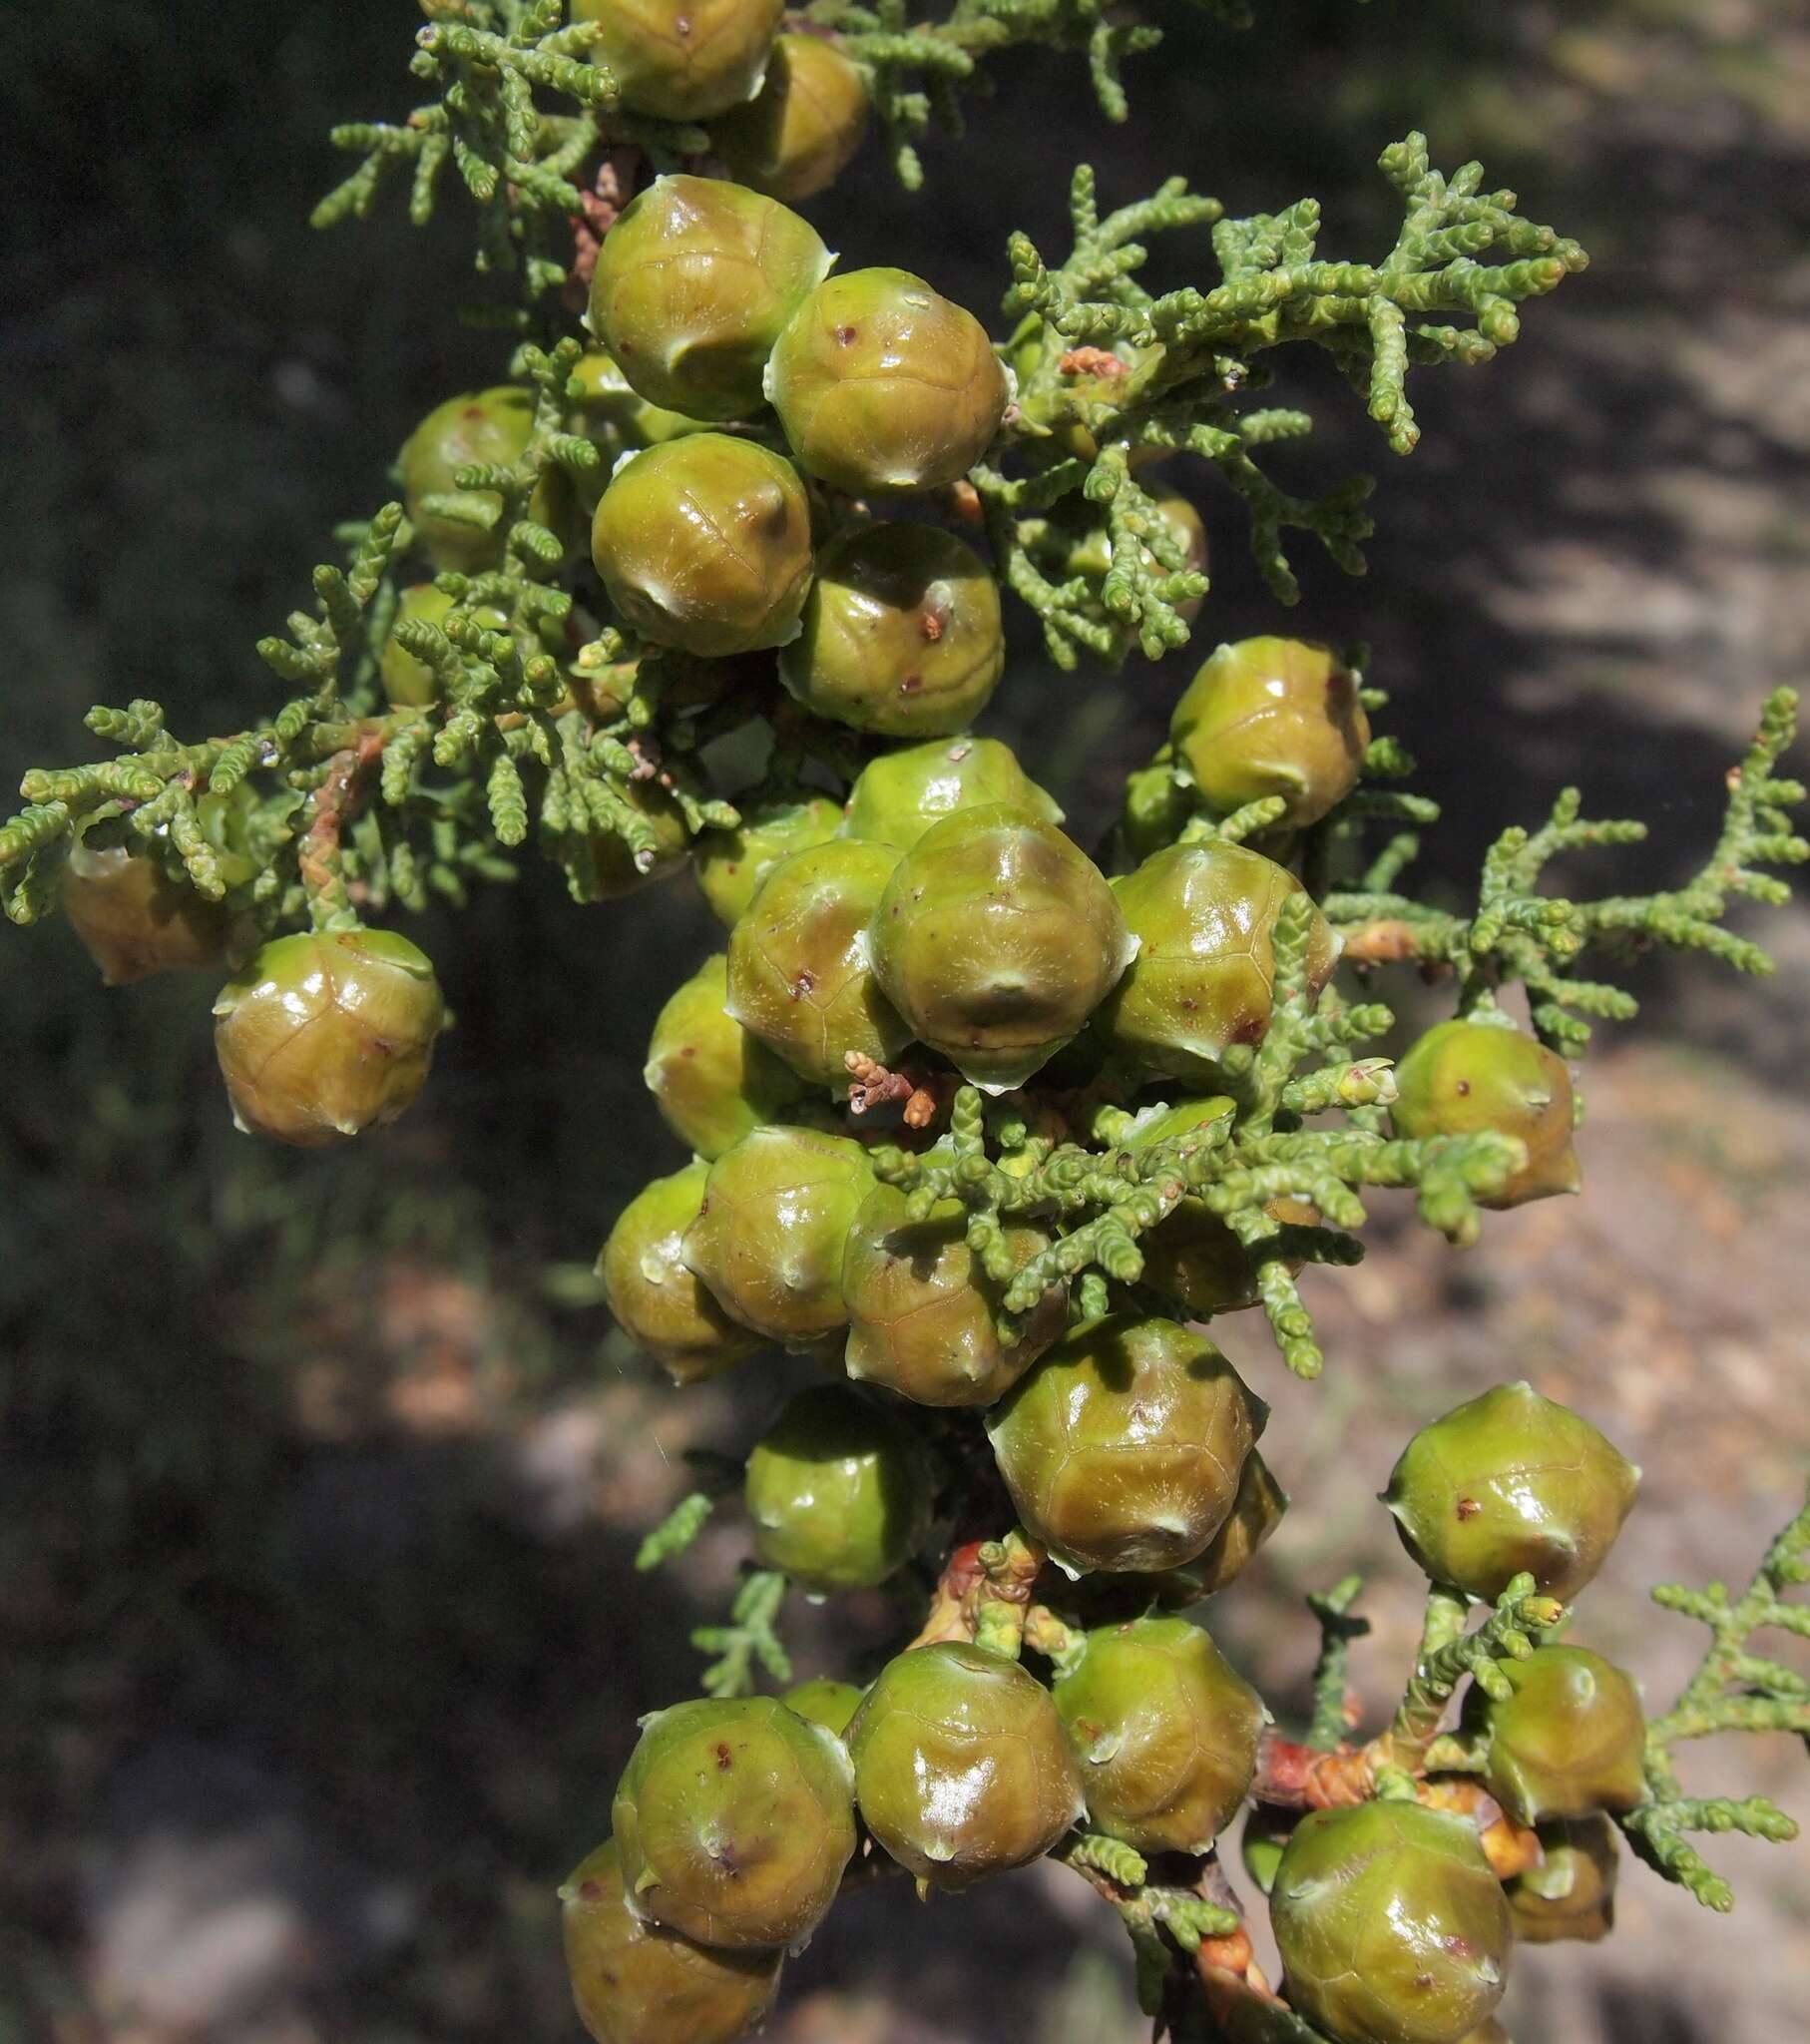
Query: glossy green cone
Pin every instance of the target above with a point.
(962, 1767)
(637, 1983)
(324, 1035)
(1391, 1926)
(996, 939)
(694, 283)
(901, 634)
(1166, 1731)
(1124, 1448)
(883, 385)
(1204, 978)
(798, 134)
(664, 1309)
(923, 1316)
(704, 544)
(684, 60)
(133, 921)
(731, 864)
(482, 426)
(1511, 1481)
(768, 1240)
(800, 978)
(899, 795)
(1569, 1898)
(1272, 716)
(734, 1820)
(712, 1081)
(838, 1490)
(1463, 1077)
(1569, 1741)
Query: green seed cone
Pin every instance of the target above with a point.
(798, 976)
(768, 1240)
(1570, 1741)
(324, 1035)
(1391, 1926)
(1203, 977)
(1166, 1731)
(1272, 716)
(1463, 1077)
(901, 634)
(838, 1489)
(636, 1983)
(684, 60)
(899, 795)
(704, 544)
(1511, 1481)
(712, 1081)
(923, 1314)
(798, 134)
(961, 1766)
(694, 283)
(882, 384)
(482, 426)
(1124, 1448)
(731, 864)
(134, 920)
(996, 940)
(1255, 1514)
(1570, 1898)
(659, 1304)
(734, 1820)
(825, 1701)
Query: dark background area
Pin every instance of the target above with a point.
(320, 1650)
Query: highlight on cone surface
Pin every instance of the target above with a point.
(1462, 1077)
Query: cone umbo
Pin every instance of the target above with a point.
(482, 426)
(658, 1303)
(694, 283)
(1391, 1926)
(1511, 1481)
(899, 795)
(712, 1081)
(1203, 976)
(802, 130)
(962, 1767)
(883, 385)
(734, 1819)
(1569, 1898)
(768, 1238)
(995, 940)
(1166, 1731)
(838, 1489)
(1462, 1077)
(1272, 716)
(901, 632)
(134, 920)
(798, 974)
(1124, 1448)
(731, 864)
(684, 60)
(1570, 1741)
(825, 1701)
(325, 1034)
(923, 1316)
(704, 544)
(637, 1983)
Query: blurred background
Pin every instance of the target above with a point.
(320, 1476)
